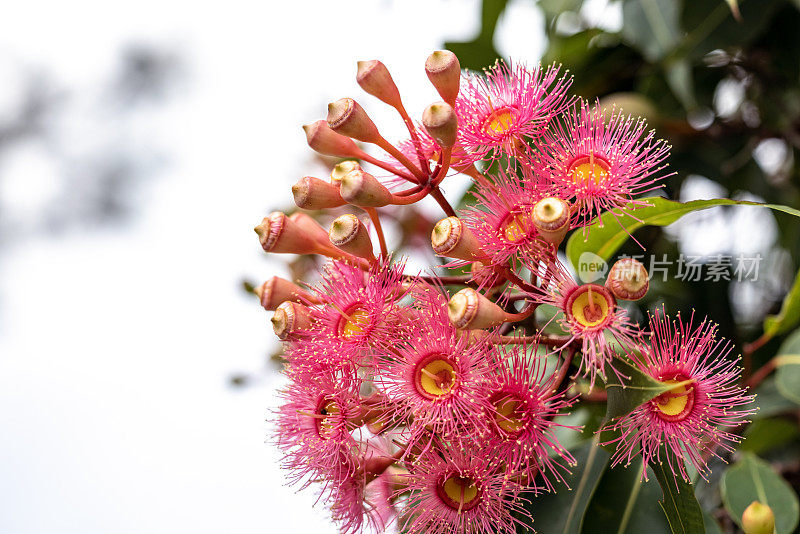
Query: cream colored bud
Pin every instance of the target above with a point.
(325, 141)
(347, 117)
(439, 120)
(450, 237)
(361, 189)
(342, 168)
(468, 309)
(290, 319)
(551, 217)
(758, 518)
(277, 290)
(349, 234)
(628, 279)
(314, 194)
(444, 72)
(375, 79)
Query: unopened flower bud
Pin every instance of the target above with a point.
(278, 233)
(310, 226)
(322, 139)
(441, 123)
(349, 234)
(628, 279)
(470, 309)
(314, 194)
(551, 218)
(347, 117)
(758, 518)
(342, 168)
(450, 237)
(444, 72)
(488, 277)
(374, 78)
(277, 290)
(361, 189)
(290, 319)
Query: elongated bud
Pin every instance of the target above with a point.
(361, 189)
(314, 194)
(444, 72)
(342, 168)
(488, 277)
(310, 226)
(347, 117)
(280, 234)
(290, 319)
(374, 78)
(277, 290)
(451, 237)
(349, 234)
(470, 309)
(551, 218)
(758, 518)
(628, 279)
(441, 123)
(322, 139)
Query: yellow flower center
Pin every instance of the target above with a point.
(459, 492)
(354, 322)
(328, 412)
(436, 377)
(516, 227)
(509, 413)
(675, 404)
(589, 306)
(588, 170)
(499, 122)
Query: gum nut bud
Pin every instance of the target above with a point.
(628, 279)
(277, 290)
(470, 309)
(486, 276)
(441, 123)
(551, 218)
(280, 234)
(347, 117)
(361, 189)
(322, 139)
(310, 226)
(348, 233)
(450, 237)
(758, 518)
(374, 78)
(342, 168)
(314, 194)
(289, 319)
(444, 72)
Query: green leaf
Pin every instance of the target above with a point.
(563, 512)
(680, 505)
(679, 77)
(789, 316)
(769, 401)
(752, 479)
(480, 52)
(710, 524)
(787, 375)
(764, 435)
(651, 26)
(605, 236)
(625, 504)
(626, 395)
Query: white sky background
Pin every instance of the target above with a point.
(116, 343)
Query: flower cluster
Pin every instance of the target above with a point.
(434, 401)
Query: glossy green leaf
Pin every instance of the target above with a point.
(563, 512)
(651, 26)
(764, 435)
(752, 479)
(626, 395)
(789, 316)
(605, 236)
(679, 503)
(626, 504)
(787, 375)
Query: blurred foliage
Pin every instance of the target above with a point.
(720, 80)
